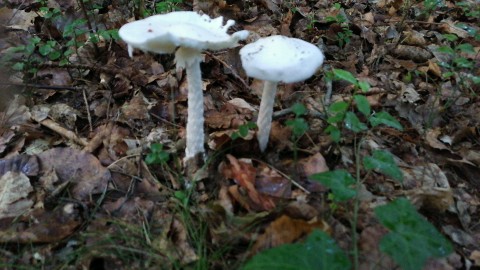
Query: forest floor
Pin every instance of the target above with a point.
(387, 166)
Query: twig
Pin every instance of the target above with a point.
(295, 183)
(62, 131)
(234, 73)
(42, 86)
(88, 110)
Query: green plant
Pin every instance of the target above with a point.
(343, 37)
(37, 50)
(157, 154)
(399, 216)
(243, 130)
(167, 6)
(458, 66)
(431, 5)
(298, 125)
(319, 251)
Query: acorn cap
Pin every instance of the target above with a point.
(281, 59)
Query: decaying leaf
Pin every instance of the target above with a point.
(80, 168)
(49, 226)
(244, 174)
(285, 230)
(25, 164)
(14, 190)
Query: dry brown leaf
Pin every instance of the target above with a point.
(244, 174)
(25, 164)
(48, 227)
(269, 181)
(80, 168)
(285, 230)
(370, 254)
(414, 53)
(14, 190)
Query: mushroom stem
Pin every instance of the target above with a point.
(264, 120)
(190, 60)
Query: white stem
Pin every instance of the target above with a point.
(264, 121)
(190, 60)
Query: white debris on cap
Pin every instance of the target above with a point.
(281, 59)
(165, 32)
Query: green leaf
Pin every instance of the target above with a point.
(54, 55)
(44, 50)
(337, 111)
(445, 49)
(465, 47)
(364, 86)
(318, 252)
(383, 162)
(299, 109)
(353, 123)
(18, 66)
(362, 104)
(386, 119)
(339, 181)
(412, 239)
(334, 132)
(345, 75)
(299, 126)
(450, 37)
(463, 62)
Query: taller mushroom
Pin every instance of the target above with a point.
(186, 33)
(277, 59)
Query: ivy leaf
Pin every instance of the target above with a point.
(318, 252)
(339, 181)
(345, 75)
(353, 123)
(412, 239)
(386, 119)
(362, 104)
(383, 162)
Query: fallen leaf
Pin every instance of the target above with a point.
(80, 168)
(14, 190)
(285, 230)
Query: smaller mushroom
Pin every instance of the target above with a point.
(277, 59)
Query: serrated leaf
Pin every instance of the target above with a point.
(412, 239)
(362, 104)
(386, 119)
(345, 75)
(318, 252)
(339, 181)
(383, 162)
(353, 123)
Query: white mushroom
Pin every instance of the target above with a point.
(189, 33)
(277, 59)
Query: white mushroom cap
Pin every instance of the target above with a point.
(163, 33)
(281, 59)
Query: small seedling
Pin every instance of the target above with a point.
(243, 130)
(157, 154)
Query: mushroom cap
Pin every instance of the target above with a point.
(163, 33)
(281, 59)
